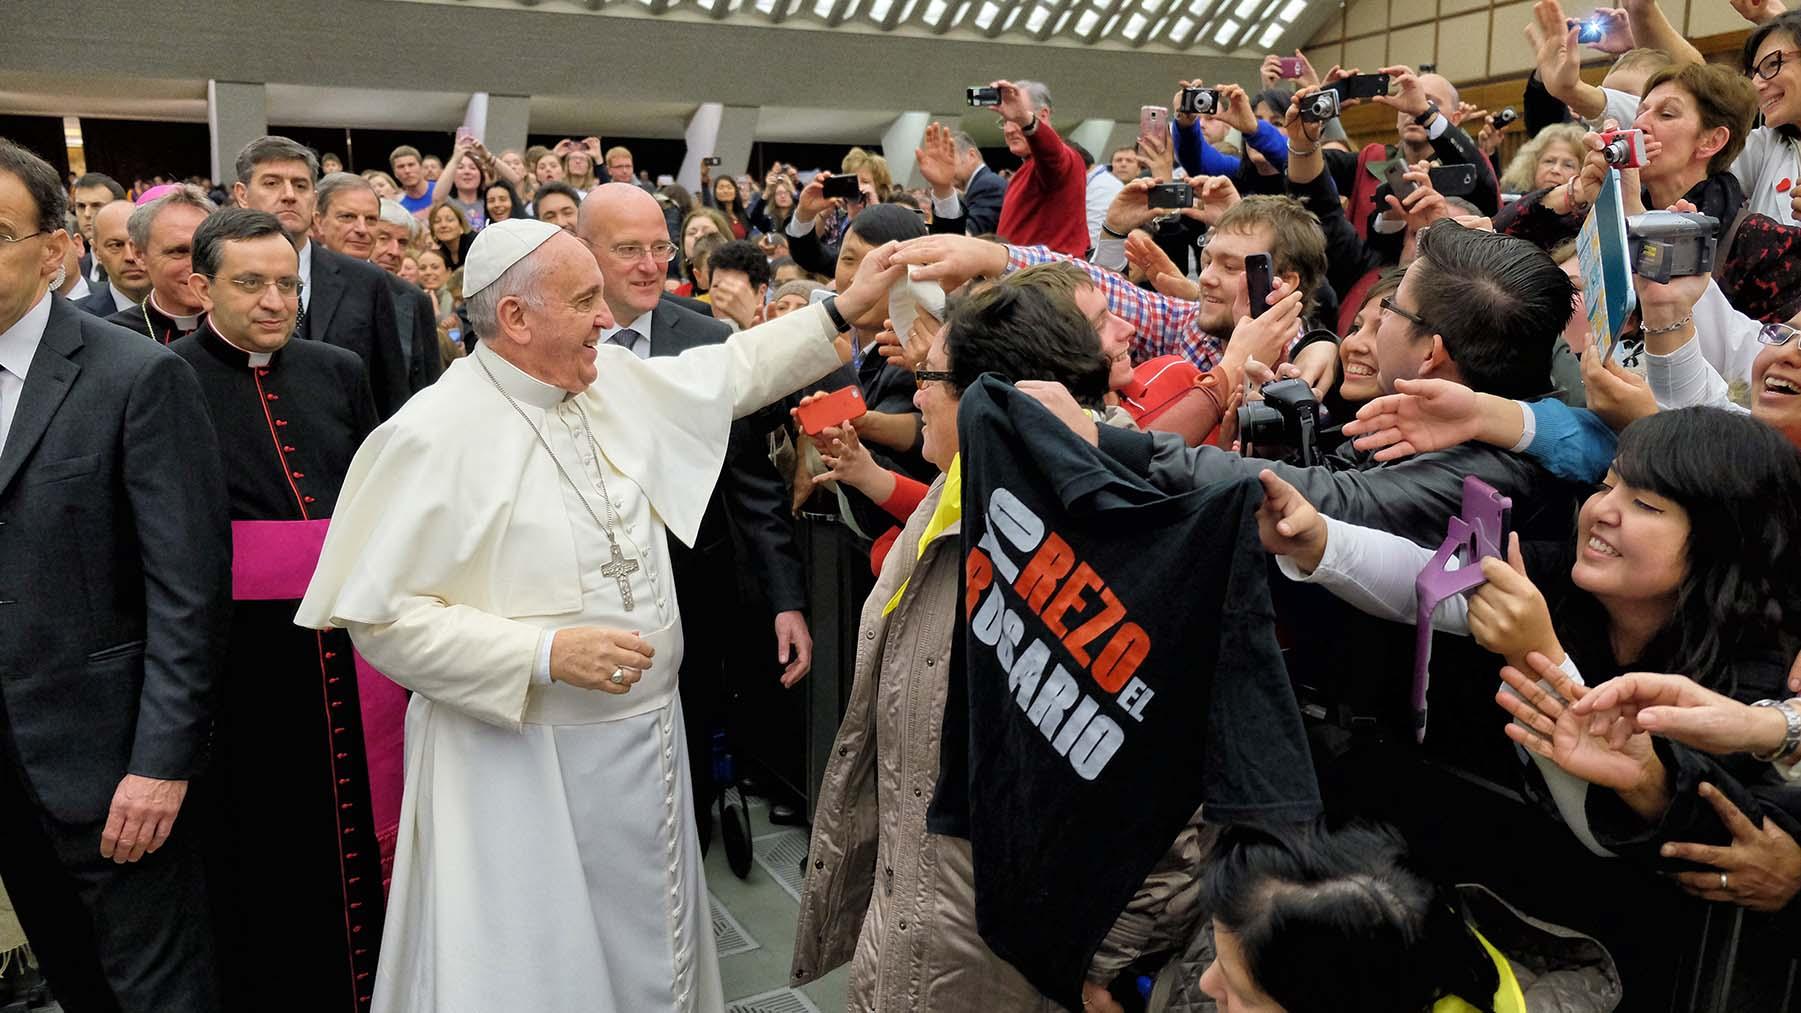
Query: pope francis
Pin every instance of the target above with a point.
(499, 550)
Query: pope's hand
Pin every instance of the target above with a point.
(869, 288)
(586, 657)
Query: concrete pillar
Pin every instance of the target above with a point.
(899, 141)
(1097, 136)
(501, 121)
(722, 131)
(237, 112)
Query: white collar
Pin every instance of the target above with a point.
(255, 359)
(522, 386)
(187, 323)
(20, 342)
(79, 290)
(120, 299)
(641, 325)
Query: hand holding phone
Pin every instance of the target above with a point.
(844, 187)
(834, 409)
(1259, 276)
(1290, 68)
(1153, 121)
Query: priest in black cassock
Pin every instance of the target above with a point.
(294, 872)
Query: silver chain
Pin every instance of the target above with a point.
(605, 526)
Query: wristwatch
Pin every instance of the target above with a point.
(1791, 737)
(831, 310)
(1425, 119)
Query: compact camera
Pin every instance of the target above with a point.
(982, 97)
(1170, 195)
(1199, 101)
(1320, 107)
(1287, 417)
(1504, 119)
(1624, 149)
(1671, 244)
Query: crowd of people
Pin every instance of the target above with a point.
(377, 551)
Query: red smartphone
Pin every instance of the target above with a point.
(1289, 68)
(835, 409)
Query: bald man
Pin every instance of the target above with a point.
(624, 227)
(127, 282)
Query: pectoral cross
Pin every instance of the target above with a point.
(621, 569)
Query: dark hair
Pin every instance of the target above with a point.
(512, 194)
(884, 223)
(740, 255)
(1788, 23)
(1338, 921)
(547, 189)
(231, 225)
(1739, 481)
(1025, 333)
(41, 182)
(1276, 97)
(1087, 156)
(734, 210)
(1498, 302)
(99, 179)
(274, 148)
(679, 196)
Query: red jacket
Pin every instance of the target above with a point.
(1047, 199)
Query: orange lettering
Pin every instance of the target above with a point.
(1049, 565)
(1087, 633)
(1070, 597)
(1121, 657)
(979, 573)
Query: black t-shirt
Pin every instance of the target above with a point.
(1121, 670)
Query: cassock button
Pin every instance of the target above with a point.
(298, 474)
(307, 499)
(281, 422)
(273, 397)
(287, 450)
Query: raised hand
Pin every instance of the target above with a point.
(1288, 525)
(1265, 337)
(1682, 710)
(1015, 106)
(1420, 417)
(1555, 49)
(1620, 396)
(1143, 253)
(1409, 96)
(1616, 30)
(1508, 615)
(1237, 111)
(1759, 11)
(1543, 724)
(1212, 198)
(937, 160)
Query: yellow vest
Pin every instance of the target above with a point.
(949, 511)
(1508, 998)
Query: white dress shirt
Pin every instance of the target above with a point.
(120, 299)
(17, 347)
(640, 347)
(306, 276)
(79, 290)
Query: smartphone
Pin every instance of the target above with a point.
(1170, 195)
(1288, 68)
(1401, 188)
(1589, 31)
(710, 160)
(1453, 180)
(464, 135)
(1259, 278)
(847, 187)
(1153, 121)
(1360, 86)
(835, 409)
(983, 97)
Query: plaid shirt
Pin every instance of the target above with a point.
(1163, 326)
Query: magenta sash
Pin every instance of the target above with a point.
(274, 561)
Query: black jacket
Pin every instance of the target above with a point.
(982, 202)
(352, 307)
(115, 566)
(416, 325)
(99, 301)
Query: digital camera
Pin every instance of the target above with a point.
(1199, 101)
(1287, 417)
(1624, 149)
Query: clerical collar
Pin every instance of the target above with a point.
(186, 325)
(228, 351)
(524, 387)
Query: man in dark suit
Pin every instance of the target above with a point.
(127, 282)
(115, 566)
(92, 192)
(346, 220)
(950, 162)
(624, 227)
(344, 302)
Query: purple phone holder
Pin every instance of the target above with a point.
(1475, 534)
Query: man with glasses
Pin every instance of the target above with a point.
(293, 866)
(115, 566)
(624, 228)
(343, 301)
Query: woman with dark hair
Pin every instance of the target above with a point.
(502, 202)
(1772, 157)
(1320, 921)
(722, 196)
(1683, 561)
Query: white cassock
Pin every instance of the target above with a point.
(548, 859)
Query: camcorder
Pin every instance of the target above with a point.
(983, 97)
(1671, 244)
(1170, 195)
(1199, 101)
(1624, 149)
(1288, 417)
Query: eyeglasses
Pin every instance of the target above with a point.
(1777, 334)
(659, 252)
(9, 240)
(921, 377)
(287, 288)
(1388, 305)
(1771, 65)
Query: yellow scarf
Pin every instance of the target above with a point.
(1508, 998)
(949, 511)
